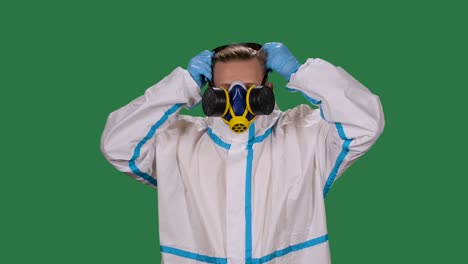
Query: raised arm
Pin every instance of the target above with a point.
(128, 138)
(352, 116)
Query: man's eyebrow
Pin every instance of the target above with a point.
(227, 85)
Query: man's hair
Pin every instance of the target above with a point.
(239, 52)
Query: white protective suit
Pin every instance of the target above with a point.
(257, 197)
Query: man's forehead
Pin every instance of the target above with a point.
(250, 72)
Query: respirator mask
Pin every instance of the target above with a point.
(239, 105)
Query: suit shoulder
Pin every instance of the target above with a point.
(186, 122)
(301, 115)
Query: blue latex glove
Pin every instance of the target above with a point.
(199, 67)
(280, 59)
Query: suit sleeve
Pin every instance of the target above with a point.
(128, 138)
(351, 116)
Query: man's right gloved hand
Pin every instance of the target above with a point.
(199, 67)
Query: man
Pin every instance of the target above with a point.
(244, 197)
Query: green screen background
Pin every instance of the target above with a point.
(65, 65)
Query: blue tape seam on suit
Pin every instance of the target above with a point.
(151, 132)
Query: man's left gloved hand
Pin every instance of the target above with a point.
(199, 67)
(280, 59)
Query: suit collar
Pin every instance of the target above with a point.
(218, 130)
